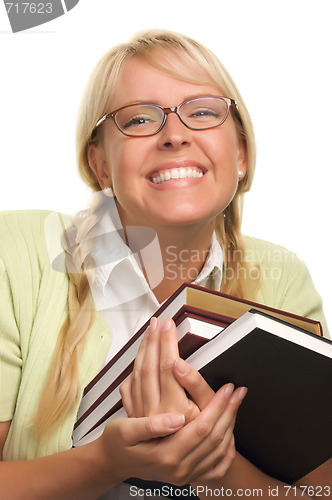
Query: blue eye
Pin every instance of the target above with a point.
(137, 121)
(206, 112)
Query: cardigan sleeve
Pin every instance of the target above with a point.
(285, 282)
(10, 352)
(300, 295)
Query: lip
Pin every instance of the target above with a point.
(177, 165)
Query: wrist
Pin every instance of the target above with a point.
(105, 466)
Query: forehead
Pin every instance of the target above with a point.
(168, 85)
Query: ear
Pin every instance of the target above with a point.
(242, 158)
(99, 166)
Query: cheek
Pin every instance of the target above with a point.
(126, 165)
(119, 163)
(127, 156)
(221, 143)
(224, 159)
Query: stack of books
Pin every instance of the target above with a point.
(284, 425)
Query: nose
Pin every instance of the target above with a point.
(174, 134)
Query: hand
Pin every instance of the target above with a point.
(128, 446)
(133, 449)
(157, 385)
(152, 387)
(201, 393)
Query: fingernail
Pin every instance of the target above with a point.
(153, 324)
(181, 366)
(240, 395)
(243, 392)
(167, 324)
(174, 421)
(228, 390)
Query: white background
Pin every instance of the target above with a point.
(279, 54)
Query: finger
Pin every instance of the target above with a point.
(216, 463)
(212, 457)
(208, 432)
(127, 400)
(169, 352)
(142, 365)
(214, 422)
(141, 350)
(150, 377)
(226, 421)
(192, 444)
(136, 394)
(185, 446)
(190, 440)
(220, 448)
(221, 468)
(219, 437)
(191, 380)
(137, 430)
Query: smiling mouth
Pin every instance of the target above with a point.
(176, 173)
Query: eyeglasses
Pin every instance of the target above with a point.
(199, 113)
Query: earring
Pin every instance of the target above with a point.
(108, 191)
(240, 174)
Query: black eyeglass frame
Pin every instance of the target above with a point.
(230, 103)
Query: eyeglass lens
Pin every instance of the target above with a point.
(146, 119)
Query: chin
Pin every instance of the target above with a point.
(185, 219)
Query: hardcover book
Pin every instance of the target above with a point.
(284, 424)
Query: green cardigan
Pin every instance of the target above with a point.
(33, 307)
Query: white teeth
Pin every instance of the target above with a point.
(177, 173)
(197, 174)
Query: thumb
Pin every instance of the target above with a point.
(193, 382)
(155, 426)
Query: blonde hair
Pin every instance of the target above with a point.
(62, 388)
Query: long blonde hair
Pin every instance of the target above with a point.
(63, 387)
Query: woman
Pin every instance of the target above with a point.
(164, 133)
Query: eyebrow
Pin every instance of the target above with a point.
(135, 103)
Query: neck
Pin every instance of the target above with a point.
(183, 251)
